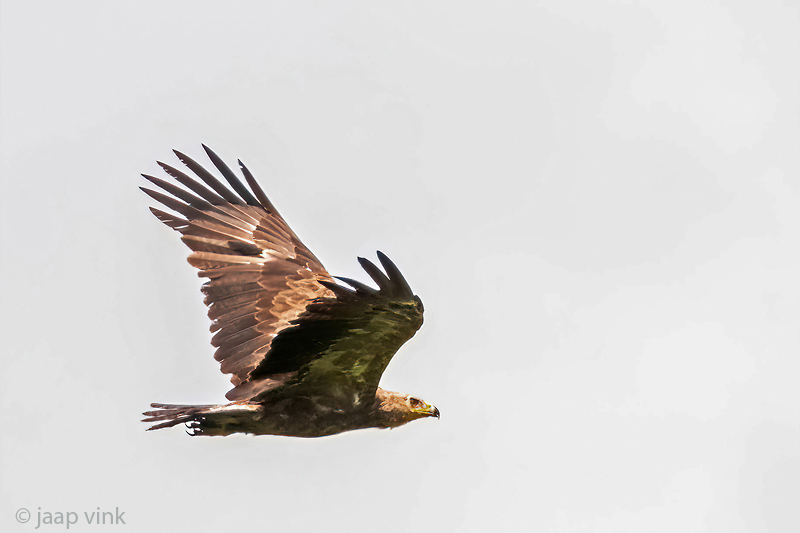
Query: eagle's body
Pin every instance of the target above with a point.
(305, 353)
(299, 416)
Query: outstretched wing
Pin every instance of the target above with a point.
(282, 325)
(260, 275)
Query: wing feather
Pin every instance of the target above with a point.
(198, 188)
(248, 254)
(230, 320)
(208, 178)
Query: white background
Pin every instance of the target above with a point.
(598, 203)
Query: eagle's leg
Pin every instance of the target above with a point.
(200, 427)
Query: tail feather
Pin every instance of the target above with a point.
(173, 414)
(204, 419)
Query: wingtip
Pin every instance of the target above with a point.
(166, 168)
(180, 155)
(365, 261)
(339, 291)
(183, 157)
(209, 151)
(398, 280)
(151, 179)
(357, 285)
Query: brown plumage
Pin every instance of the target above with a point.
(305, 354)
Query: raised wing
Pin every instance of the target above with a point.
(282, 325)
(260, 275)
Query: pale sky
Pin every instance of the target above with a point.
(598, 203)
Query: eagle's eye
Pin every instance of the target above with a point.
(416, 403)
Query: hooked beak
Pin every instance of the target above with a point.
(434, 411)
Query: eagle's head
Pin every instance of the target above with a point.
(396, 409)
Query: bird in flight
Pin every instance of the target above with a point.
(305, 353)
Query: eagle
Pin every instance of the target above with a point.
(305, 353)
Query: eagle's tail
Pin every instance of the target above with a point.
(200, 419)
(171, 415)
